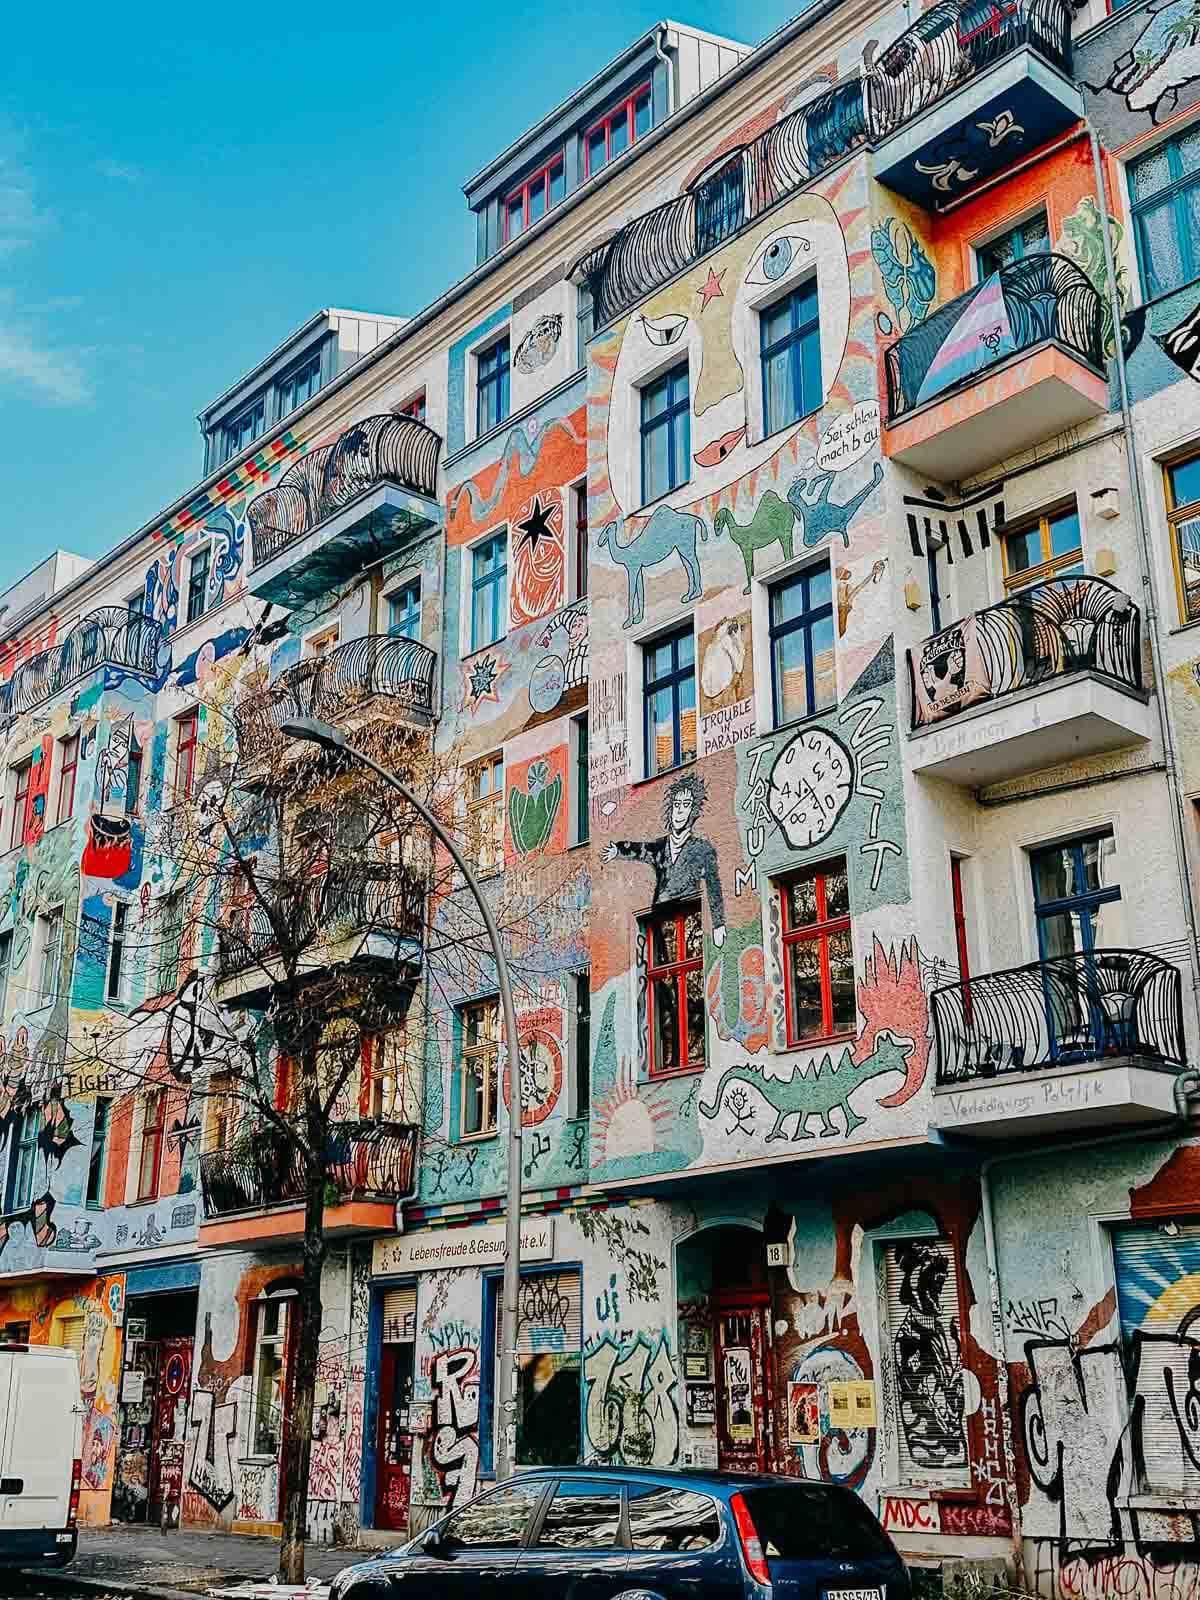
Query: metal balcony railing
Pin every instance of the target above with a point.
(111, 636)
(948, 45)
(1045, 297)
(373, 897)
(1069, 1009)
(368, 1160)
(1050, 630)
(376, 450)
(331, 685)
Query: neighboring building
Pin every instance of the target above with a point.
(793, 547)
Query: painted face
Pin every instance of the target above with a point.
(710, 317)
(681, 812)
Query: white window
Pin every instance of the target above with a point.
(50, 938)
(266, 1427)
(322, 642)
(485, 814)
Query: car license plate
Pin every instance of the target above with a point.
(874, 1593)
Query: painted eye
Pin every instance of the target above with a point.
(664, 330)
(778, 258)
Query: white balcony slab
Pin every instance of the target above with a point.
(1117, 1093)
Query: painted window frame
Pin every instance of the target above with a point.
(672, 681)
(804, 623)
(486, 1052)
(821, 932)
(495, 580)
(415, 407)
(68, 770)
(93, 1198)
(485, 814)
(187, 740)
(1050, 565)
(493, 375)
(1082, 905)
(150, 1143)
(625, 109)
(22, 782)
(545, 176)
(674, 972)
(803, 332)
(1177, 514)
(678, 405)
(410, 626)
(1013, 230)
(51, 930)
(1179, 186)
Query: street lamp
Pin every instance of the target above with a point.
(331, 739)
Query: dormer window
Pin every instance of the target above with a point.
(530, 203)
(244, 429)
(299, 385)
(624, 125)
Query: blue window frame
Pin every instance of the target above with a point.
(404, 611)
(1028, 238)
(491, 386)
(720, 205)
(299, 385)
(198, 583)
(790, 332)
(1071, 889)
(244, 429)
(666, 434)
(669, 684)
(803, 663)
(489, 588)
(1164, 186)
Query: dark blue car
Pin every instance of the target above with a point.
(631, 1533)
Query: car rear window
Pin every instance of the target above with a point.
(671, 1519)
(805, 1522)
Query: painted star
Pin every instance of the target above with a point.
(482, 677)
(712, 289)
(539, 524)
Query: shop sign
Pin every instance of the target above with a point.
(460, 1247)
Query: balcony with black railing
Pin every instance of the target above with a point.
(255, 1189)
(958, 58)
(342, 507)
(377, 675)
(1016, 359)
(111, 636)
(1084, 1040)
(1050, 674)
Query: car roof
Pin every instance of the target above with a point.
(691, 1477)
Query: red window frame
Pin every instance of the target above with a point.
(624, 109)
(187, 730)
(960, 920)
(673, 972)
(152, 1129)
(414, 408)
(21, 803)
(542, 175)
(66, 776)
(821, 932)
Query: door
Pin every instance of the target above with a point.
(167, 1423)
(742, 1444)
(1088, 1009)
(393, 1479)
(577, 1549)
(479, 1545)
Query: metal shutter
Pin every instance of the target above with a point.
(1158, 1293)
(924, 1361)
(550, 1313)
(70, 1333)
(399, 1316)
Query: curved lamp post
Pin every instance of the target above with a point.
(329, 738)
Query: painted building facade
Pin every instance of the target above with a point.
(789, 542)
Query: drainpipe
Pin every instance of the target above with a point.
(1186, 1083)
(660, 40)
(1147, 575)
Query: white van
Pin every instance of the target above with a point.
(41, 1427)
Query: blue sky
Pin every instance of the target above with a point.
(180, 189)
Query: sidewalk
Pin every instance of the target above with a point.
(143, 1560)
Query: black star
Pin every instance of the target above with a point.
(537, 524)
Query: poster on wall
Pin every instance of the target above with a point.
(133, 1386)
(701, 1404)
(739, 1417)
(804, 1413)
(852, 1404)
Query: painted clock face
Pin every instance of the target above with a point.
(811, 784)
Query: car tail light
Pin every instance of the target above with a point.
(752, 1550)
(14, 1349)
(73, 1507)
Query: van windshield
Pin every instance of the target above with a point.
(809, 1523)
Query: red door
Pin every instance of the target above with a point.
(394, 1449)
(167, 1437)
(743, 1444)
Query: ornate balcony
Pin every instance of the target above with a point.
(969, 88)
(1050, 674)
(1018, 50)
(255, 1190)
(111, 636)
(344, 506)
(1076, 1041)
(339, 687)
(1016, 359)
